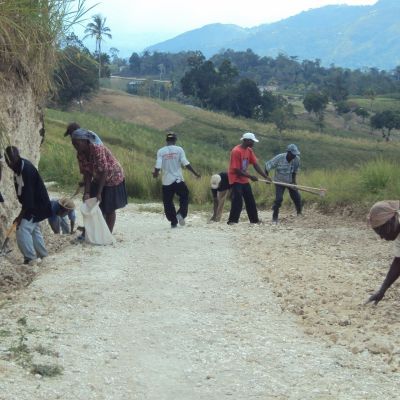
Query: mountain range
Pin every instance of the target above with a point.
(347, 36)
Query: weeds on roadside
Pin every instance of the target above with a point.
(23, 355)
(46, 370)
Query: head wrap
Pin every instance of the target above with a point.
(84, 134)
(382, 211)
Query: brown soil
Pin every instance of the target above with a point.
(323, 269)
(14, 275)
(134, 109)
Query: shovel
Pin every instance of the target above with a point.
(4, 250)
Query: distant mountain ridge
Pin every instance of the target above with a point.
(348, 36)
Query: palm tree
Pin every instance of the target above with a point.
(98, 30)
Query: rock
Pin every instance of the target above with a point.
(344, 322)
(379, 346)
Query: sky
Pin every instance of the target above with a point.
(137, 24)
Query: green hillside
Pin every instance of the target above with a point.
(207, 137)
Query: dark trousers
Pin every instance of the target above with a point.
(168, 191)
(294, 195)
(240, 192)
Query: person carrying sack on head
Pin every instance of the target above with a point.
(220, 189)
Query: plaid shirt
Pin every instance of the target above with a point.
(100, 160)
(283, 169)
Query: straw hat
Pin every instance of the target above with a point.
(67, 203)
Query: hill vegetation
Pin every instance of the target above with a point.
(355, 171)
(349, 36)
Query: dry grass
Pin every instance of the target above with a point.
(133, 109)
(29, 34)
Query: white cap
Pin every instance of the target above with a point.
(249, 136)
(215, 181)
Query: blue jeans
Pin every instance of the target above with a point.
(59, 224)
(30, 240)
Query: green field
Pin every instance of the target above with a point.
(379, 103)
(355, 171)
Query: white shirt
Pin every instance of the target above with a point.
(169, 160)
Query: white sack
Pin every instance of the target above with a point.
(96, 229)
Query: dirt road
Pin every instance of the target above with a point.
(207, 311)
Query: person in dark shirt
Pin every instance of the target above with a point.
(220, 189)
(35, 205)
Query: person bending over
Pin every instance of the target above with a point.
(384, 220)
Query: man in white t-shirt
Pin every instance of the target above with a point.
(384, 220)
(170, 158)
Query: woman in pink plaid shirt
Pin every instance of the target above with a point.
(103, 175)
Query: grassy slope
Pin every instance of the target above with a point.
(207, 139)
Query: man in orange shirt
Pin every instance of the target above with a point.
(242, 156)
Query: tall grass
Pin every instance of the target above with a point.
(29, 34)
(354, 172)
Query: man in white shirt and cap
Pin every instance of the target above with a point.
(170, 158)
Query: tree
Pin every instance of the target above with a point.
(281, 117)
(199, 81)
(269, 103)
(246, 98)
(114, 54)
(98, 30)
(361, 112)
(76, 76)
(134, 63)
(386, 119)
(316, 102)
(196, 59)
(227, 73)
(370, 94)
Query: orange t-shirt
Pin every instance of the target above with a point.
(240, 159)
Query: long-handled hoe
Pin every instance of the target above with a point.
(317, 191)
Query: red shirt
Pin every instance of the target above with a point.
(240, 159)
(100, 160)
